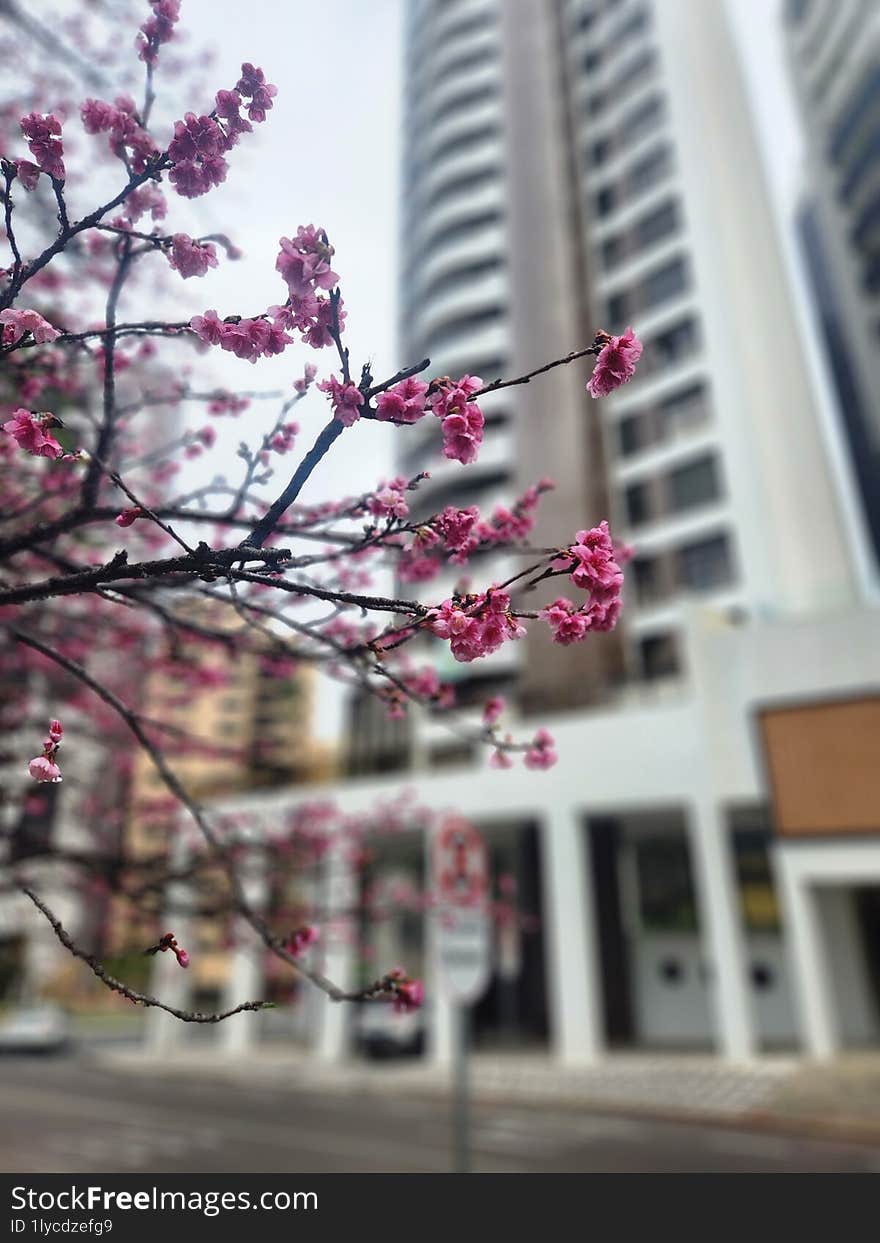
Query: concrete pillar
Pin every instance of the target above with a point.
(244, 982)
(333, 1019)
(169, 982)
(722, 930)
(572, 958)
(809, 960)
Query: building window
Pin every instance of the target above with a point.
(647, 576)
(646, 232)
(695, 484)
(667, 901)
(631, 434)
(705, 564)
(657, 287)
(683, 411)
(658, 656)
(637, 498)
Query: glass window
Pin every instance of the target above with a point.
(694, 484)
(658, 656)
(667, 902)
(630, 434)
(705, 564)
(638, 504)
(648, 579)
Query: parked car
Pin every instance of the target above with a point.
(383, 1033)
(40, 1028)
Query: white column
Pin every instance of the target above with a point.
(809, 959)
(243, 983)
(245, 979)
(721, 930)
(333, 1018)
(169, 982)
(571, 953)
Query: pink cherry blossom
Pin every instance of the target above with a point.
(16, 323)
(346, 400)
(44, 769)
(389, 501)
(591, 561)
(541, 753)
(157, 29)
(29, 431)
(403, 402)
(43, 134)
(476, 626)
(128, 516)
(500, 759)
(568, 622)
(301, 939)
(208, 327)
(189, 257)
(28, 174)
(493, 708)
(616, 362)
(56, 730)
(304, 262)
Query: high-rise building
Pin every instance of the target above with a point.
(572, 166)
(833, 49)
(584, 165)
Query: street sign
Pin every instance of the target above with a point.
(461, 883)
(461, 878)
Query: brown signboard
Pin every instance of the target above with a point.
(823, 763)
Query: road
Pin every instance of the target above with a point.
(70, 1115)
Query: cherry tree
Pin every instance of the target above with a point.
(104, 549)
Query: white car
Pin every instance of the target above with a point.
(41, 1028)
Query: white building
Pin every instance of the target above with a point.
(704, 861)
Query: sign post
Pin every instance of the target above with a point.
(461, 878)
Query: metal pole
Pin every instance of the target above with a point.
(460, 1098)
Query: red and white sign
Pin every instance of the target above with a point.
(461, 864)
(461, 882)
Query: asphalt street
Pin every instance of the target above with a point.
(70, 1115)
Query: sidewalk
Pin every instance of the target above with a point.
(774, 1094)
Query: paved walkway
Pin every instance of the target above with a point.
(773, 1093)
(661, 1083)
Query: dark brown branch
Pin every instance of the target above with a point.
(117, 986)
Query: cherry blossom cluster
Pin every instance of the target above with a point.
(31, 434)
(452, 401)
(44, 767)
(458, 533)
(43, 134)
(157, 29)
(250, 339)
(129, 139)
(18, 324)
(591, 563)
(304, 264)
(476, 625)
(200, 143)
(615, 363)
(539, 754)
(345, 399)
(190, 257)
